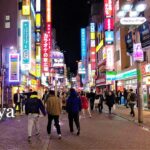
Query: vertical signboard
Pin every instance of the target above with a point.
(25, 44)
(14, 67)
(108, 8)
(83, 43)
(92, 46)
(45, 55)
(109, 57)
(25, 7)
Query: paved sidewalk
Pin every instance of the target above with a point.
(124, 112)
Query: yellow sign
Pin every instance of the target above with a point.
(99, 45)
(38, 20)
(92, 35)
(38, 70)
(26, 7)
(48, 11)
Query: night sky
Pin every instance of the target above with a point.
(68, 16)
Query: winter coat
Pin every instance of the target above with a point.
(53, 105)
(110, 100)
(34, 105)
(73, 104)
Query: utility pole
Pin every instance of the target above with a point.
(139, 92)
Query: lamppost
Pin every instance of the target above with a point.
(135, 20)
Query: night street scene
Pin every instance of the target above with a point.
(75, 75)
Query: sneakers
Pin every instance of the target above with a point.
(37, 134)
(59, 136)
(29, 139)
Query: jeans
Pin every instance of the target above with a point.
(100, 107)
(132, 109)
(56, 120)
(33, 119)
(74, 117)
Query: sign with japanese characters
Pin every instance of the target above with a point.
(25, 44)
(14, 67)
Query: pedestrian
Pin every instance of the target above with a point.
(119, 95)
(85, 104)
(132, 101)
(63, 101)
(53, 107)
(33, 107)
(101, 100)
(73, 107)
(45, 95)
(125, 94)
(92, 99)
(17, 101)
(110, 100)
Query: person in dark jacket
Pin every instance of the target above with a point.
(110, 100)
(73, 107)
(92, 99)
(33, 107)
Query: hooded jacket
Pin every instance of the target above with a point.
(73, 104)
(34, 105)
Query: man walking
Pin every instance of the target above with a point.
(53, 107)
(73, 107)
(33, 107)
(132, 101)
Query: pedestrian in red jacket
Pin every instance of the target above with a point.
(85, 104)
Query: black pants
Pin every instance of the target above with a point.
(91, 104)
(74, 117)
(100, 107)
(109, 107)
(56, 120)
(132, 109)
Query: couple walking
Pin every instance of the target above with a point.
(53, 108)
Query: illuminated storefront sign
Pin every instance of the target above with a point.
(58, 62)
(109, 37)
(109, 24)
(125, 75)
(92, 47)
(83, 43)
(81, 68)
(108, 8)
(38, 5)
(132, 20)
(25, 44)
(138, 52)
(38, 20)
(99, 45)
(45, 55)
(26, 7)
(38, 70)
(111, 75)
(13, 67)
(48, 10)
(110, 57)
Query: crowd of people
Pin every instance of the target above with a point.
(72, 102)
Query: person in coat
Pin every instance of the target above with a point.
(53, 107)
(85, 104)
(73, 107)
(110, 100)
(33, 106)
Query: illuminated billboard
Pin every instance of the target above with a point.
(109, 37)
(109, 24)
(108, 8)
(83, 43)
(14, 67)
(110, 57)
(48, 11)
(45, 55)
(25, 44)
(25, 7)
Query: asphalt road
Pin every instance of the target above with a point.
(101, 132)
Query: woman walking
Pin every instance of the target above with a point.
(85, 104)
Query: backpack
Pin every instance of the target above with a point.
(133, 97)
